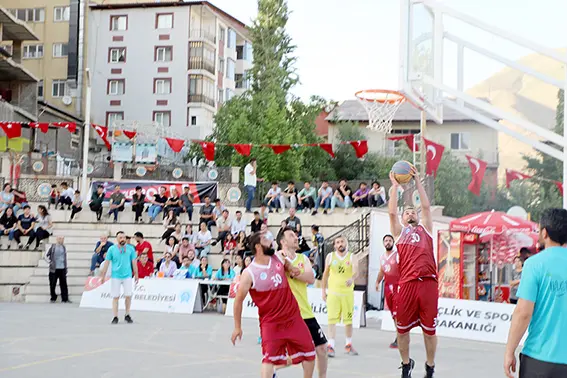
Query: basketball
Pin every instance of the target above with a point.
(402, 171)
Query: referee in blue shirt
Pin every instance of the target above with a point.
(542, 305)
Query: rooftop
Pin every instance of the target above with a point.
(352, 110)
(14, 29)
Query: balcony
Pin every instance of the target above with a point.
(202, 35)
(197, 63)
(195, 98)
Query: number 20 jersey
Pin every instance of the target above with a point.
(415, 251)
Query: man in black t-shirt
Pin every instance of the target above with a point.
(293, 222)
(158, 203)
(289, 197)
(206, 213)
(256, 223)
(342, 197)
(173, 203)
(26, 223)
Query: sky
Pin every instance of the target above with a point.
(345, 46)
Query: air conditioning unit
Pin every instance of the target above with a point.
(6, 94)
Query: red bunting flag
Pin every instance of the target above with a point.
(360, 147)
(71, 126)
(478, 169)
(43, 126)
(11, 129)
(409, 139)
(176, 144)
(559, 186)
(130, 134)
(102, 132)
(433, 155)
(512, 175)
(328, 148)
(279, 148)
(243, 149)
(208, 150)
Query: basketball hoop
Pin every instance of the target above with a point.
(381, 106)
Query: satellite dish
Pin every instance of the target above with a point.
(67, 100)
(518, 211)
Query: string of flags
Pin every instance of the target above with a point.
(434, 154)
(14, 129)
(244, 149)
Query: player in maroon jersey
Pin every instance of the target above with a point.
(390, 274)
(283, 331)
(416, 301)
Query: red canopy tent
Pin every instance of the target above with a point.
(492, 222)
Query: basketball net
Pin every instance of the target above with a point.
(381, 106)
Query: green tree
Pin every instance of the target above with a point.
(267, 113)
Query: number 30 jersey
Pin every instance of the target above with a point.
(415, 251)
(272, 295)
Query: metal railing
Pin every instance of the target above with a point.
(198, 63)
(201, 98)
(204, 35)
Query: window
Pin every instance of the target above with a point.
(231, 42)
(229, 94)
(247, 51)
(163, 54)
(40, 89)
(7, 48)
(239, 81)
(33, 51)
(118, 23)
(230, 69)
(61, 14)
(221, 65)
(193, 120)
(29, 15)
(162, 86)
(239, 52)
(162, 118)
(112, 117)
(117, 55)
(460, 141)
(222, 34)
(59, 50)
(58, 88)
(220, 96)
(164, 21)
(116, 87)
(202, 89)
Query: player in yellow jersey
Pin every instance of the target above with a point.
(341, 269)
(298, 286)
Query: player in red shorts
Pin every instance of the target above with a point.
(416, 301)
(283, 331)
(389, 273)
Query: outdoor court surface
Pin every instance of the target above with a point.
(56, 340)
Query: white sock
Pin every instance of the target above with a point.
(348, 341)
(332, 343)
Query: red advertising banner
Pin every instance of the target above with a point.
(198, 189)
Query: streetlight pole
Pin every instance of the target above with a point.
(86, 132)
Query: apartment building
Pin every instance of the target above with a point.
(56, 58)
(169, 63)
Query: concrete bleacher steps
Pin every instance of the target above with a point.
(28, 272)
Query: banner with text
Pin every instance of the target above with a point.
(471, 320)
(198, 189)
(249, 309)
(160, 295)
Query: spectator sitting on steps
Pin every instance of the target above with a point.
(66, 196)
(187, 203)
(145, 267)
(20, 199)
(53, 196)
(158, 203)
(76, 205)
(117, 201)
(6, 197)
(8, 224)
(43, 225)
(256, 223)
(138, 201)
(307, 197)
(26, 225)
(143, 246)
(95, 204)
(206, 214)
(100, 249)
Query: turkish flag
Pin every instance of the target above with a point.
(559, 187)
(177, 144)
(208, 150)
(71, 126)
(43, 126)
(130, 134)
(328, 147)
(279, 148)
(102, 132)
(12, 129)
(410, 141)
(512, 175)
(360, 147)
(433, 155)
(478, 169)
(243, 149)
